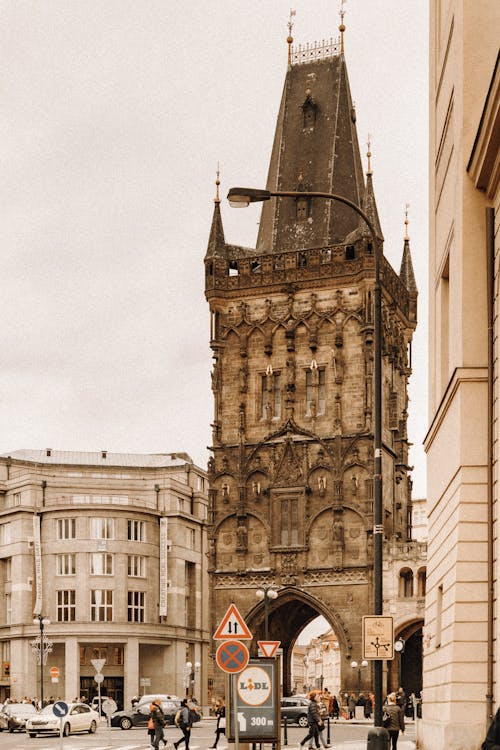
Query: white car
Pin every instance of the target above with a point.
(80, 718)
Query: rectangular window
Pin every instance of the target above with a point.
(66, 528)
(102, 528)
(315, 392)
(101, 564)
(118, 655)
(65, 564)
(439, 615)
(101, 605)
(5, 533)
(289, 522)
(190, 539)
(136, 531)
(190, 594)
(82, 656)
(16, 500)
(136, 566)
(66, 605)
(8, 609)
(136, 606)
(271, 396)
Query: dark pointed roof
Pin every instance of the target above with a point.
(406, 273)
(369, 206)
(216, 240)
(322, 148)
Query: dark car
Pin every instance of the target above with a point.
(14, 715)
(139, 715)
(294, 709)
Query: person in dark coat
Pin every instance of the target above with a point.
(492, 739)
(314, 720)
(158, 720)
(220, 715)
(396, 719)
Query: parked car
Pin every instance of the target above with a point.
(80, 718)
(148, 699)
(294, 709)
(139, 715)
(13, 716)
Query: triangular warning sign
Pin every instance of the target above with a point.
(268, 648)
(232, 626)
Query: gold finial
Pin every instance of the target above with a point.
(407, 221)
(217, 183)
(289, 39)
(342, 27)
(369, 154)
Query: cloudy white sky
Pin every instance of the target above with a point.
(114, 116)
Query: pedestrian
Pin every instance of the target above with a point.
(220, 715)
(156, 723)
(323, 712)
(314, 722)
(492, 739)
(368, 707)
(351, 705)
(183, 721)
(393, 719)
(335, 708)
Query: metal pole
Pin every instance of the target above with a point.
(40, 620)
(266, 616)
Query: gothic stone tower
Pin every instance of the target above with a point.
(290, 500)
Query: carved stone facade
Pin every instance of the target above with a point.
(290, 499)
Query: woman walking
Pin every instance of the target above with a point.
(220, 715)
(184, 724)
(395, 720)
(314, 721)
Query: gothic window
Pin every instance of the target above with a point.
(301, 260)
(350, 252)
(302, 208)
(279, 263)
(289, 522)
(326, 255)
(271, 396)
(421, 582)
(315, 392)
(406, 583)
(233, 268)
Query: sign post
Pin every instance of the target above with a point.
(98, 677)
(378, 637)
(109, 707)
(255, 700)
(60, 709)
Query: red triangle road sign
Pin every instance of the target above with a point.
(268, 648)
(232, 626)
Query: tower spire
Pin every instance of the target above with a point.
(217, 183)
(407, 206)
(369, 155)
(216, 240)
(342, 26)
(406, 273)
(289, 39)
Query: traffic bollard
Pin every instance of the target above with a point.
(285, 731)
(328, 731)
(378, 739)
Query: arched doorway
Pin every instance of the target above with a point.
(287, 616)
(406, 668)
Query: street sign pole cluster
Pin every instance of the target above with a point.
(254, 683)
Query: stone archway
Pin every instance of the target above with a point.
(406, 668)
(288, 615)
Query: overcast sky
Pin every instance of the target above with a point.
(114, 116)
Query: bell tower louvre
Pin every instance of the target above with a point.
(292, 336)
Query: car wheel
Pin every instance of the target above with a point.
(66, 730)
(92, 727)
(302, 721)
(32, 734)
(125, 723)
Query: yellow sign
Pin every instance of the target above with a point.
(378, 637)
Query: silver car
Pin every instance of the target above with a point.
(80, 718)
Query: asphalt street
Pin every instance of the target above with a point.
(344, 736)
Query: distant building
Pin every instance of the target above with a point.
(461, 637)
(322, 663)
(111, 548)
(419, 526)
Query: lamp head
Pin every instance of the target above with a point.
(239, 197)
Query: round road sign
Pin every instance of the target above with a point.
(60, 708)
(232, 656)
(99, 677)
(109, 706)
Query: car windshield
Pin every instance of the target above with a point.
(22, 708)
(47, 709)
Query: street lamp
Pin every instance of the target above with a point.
(359, 667)
(41, 621)
(266, 593)
(242, 197)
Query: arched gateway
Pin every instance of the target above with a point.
(290, 498)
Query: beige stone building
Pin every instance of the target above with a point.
(111, 548)
(461, 659)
